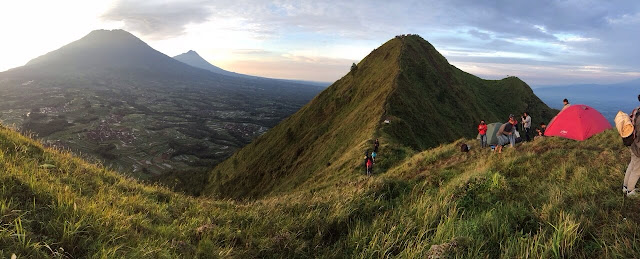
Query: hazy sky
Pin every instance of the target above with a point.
(542, 42)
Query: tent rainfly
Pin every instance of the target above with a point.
(577, 122)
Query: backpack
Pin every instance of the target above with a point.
(624, 125)
(628, 141)
(464, 148)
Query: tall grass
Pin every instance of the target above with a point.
(552, 198)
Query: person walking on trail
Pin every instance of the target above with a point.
(503, 134)
(369, 164)
(366, 158)
(526, 124)
(482, 130)
(376, 145)
(373, 156)
(566, 104)
(632, 174)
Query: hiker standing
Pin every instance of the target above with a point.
(566, 104)
(503, 135)
(369, 164)
(526, 124)
(376, 145)
(512, 136)
(366, 158)
(632, 174)
(373, 156)
(482, 130)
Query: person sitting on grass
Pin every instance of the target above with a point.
(540, 131)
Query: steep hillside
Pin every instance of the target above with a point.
(406, 80)
(435, 102)
(551, 198)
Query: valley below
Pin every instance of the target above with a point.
(145, 129)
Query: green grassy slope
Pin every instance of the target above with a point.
(55, 205)
(406, 80)
(551, 198)
(435, 102)
(327, 134)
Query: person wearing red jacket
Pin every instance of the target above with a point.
(482, 129)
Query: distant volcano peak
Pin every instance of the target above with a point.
(192, 58)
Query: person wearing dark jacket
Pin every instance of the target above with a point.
(376, 145)
(540, 131)
(366, 158)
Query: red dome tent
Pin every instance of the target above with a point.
(578, 122)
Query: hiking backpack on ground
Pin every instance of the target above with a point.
(464, 148)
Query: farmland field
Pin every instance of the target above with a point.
(137, 128)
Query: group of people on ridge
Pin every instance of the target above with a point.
(506, 135)
(370, 159)
(507, 132)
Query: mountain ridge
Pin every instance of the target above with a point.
(404, 80)
(194, 59)
(107, 51)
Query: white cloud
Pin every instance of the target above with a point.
(624, 19)
(579, 33)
